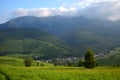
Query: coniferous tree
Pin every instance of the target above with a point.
(89, 59)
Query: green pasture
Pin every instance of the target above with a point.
(9, 71)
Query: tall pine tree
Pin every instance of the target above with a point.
(89, 59)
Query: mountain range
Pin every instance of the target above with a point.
(57, 36)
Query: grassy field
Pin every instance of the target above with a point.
(11, 71)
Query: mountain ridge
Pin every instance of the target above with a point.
(77, 32)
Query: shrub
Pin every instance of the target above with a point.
(28, 61)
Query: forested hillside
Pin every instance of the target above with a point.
(32, 42)
(75, 35)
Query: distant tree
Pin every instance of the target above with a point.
(42, 64)
(89, 59)
(28, 61)
(37, 63)
(80, 63)
(118, 64)
(55, 64)
(69, 63)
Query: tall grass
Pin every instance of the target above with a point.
(64, 73)
(13, 69)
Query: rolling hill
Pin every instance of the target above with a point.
(32, 42)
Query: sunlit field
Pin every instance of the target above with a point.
(19, 72)
(59, 73)
(59, 39)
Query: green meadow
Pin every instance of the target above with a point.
(13, 69)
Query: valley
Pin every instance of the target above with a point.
(59, 39)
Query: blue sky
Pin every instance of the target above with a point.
(8, 5)
(104, 9)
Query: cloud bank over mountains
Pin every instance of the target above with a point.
(43, 12)
(102, 9)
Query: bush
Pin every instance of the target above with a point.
(69, 63)
(28, 61)
(80, 63)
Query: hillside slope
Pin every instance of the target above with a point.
(33, 42)
(78, 32)
(113, 58)
(83, 39)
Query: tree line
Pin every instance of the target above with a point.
(88, 62)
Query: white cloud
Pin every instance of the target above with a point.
(42, 12)
(114, 17)
(33, 12)
(103, 9)
(63, 9)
